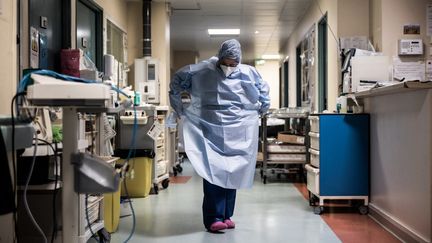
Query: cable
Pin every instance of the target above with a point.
(14, 186)
(25, 192)
(54, 232)
(133, 213)
(328, 25)
(132, 151)
(87, 218)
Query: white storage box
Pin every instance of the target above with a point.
(312, 179)
(314, 157)
(314, 123)
(161, 168)
(288, 157)
(285, 148)
(314, 140)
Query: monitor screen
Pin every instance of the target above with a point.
(151, 72)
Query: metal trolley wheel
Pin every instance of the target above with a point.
(179, 168)
(165, 183)
(318, 210)
(363, 210)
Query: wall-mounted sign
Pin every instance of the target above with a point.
(43, 22)
(411, 29)
(84, 42)
(34, 48)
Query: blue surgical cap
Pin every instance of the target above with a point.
(230, 49)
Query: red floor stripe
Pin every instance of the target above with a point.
(352, 227)
(180, 179)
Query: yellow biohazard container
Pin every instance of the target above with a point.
(140, 184)
(112, 210)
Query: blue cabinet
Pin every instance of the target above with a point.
(340, 143)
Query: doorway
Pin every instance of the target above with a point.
(322, 64)
(89, 30)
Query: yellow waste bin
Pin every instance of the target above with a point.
(112, 210)
(140, 184)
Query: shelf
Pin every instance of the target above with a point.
(43, 187)
(272, 162)
(397, 88)
(96, 226)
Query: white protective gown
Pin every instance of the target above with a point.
(220, 126)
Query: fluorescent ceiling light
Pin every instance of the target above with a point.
(223, 31)
(256, 32)
(271, 56)
(260, 62)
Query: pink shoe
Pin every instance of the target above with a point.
(218, 225)
(229, 223)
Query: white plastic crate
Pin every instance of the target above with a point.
(161, 168)
(314, 123)
(314, 140)
(313, 179)
(314, 157)
(285, 148)
(287, 157)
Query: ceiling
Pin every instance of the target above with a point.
(273, 19)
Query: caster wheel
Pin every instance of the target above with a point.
(363, 210)
(179, 169)
(318, 210)
(156, 189)
(312, 201)
(265, 179)
(175, 171)
(165, 183)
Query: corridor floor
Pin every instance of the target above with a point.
(271, 213)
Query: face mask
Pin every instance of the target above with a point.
(228, 70)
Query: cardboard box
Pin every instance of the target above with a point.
(289, 138)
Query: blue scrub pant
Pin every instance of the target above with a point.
(218, 203)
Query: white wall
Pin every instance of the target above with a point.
(401, 156)
(161, 46)
(353, 18)
(311, 17)
(269, 71)
(396, 13)
(115, 11)
(8, 55)
(401, 135)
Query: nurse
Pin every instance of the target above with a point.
(220, 127)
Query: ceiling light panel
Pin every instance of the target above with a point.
(224, 32)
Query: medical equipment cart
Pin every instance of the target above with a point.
(278, 156)
(339, 169)
(175, 158)
(147, 116)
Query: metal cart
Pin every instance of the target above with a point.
(280, 157)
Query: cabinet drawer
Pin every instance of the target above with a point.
(314, 157)
(314, 123)
(314, 140)
(313, 179)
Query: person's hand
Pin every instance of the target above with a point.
(171, 121)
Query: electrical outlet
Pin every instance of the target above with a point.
(43, 22)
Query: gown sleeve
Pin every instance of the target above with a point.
(181, 82)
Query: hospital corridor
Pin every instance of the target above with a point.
(200, 121)
(272, 213)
